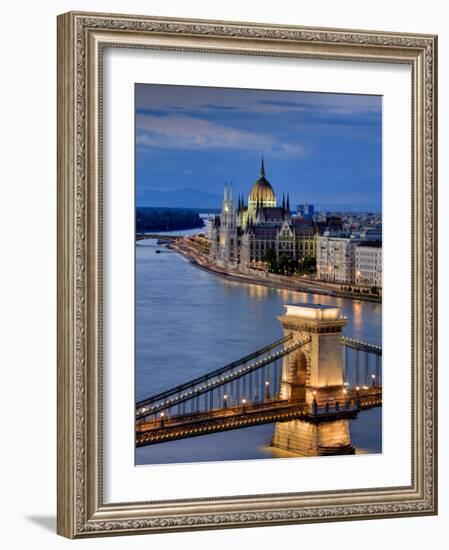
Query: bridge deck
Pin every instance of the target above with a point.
(251, 414)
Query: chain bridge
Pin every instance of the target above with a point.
(309, 383)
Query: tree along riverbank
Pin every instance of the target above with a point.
(166, 219)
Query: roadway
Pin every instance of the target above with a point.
(245, 415)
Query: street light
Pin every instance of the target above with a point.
(315, 403)
(267, 390)
(357, 397)
(162, 419)
(244, 403)
(225, 401)
(373, 379)
(345, 393)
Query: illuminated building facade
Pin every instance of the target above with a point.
(243, 235)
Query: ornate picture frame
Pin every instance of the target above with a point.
(82, 38)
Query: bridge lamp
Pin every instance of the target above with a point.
(345, 393)
(225, 401)
(267, 389)
(244, 403)
(357, 388)
(162, 419)
(315, 403)
(373, 379)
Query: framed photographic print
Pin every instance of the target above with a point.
(246, 274)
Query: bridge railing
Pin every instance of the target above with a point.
(219, 412)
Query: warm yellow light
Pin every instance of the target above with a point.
(357, 388)
(225, 396)
(162, 415)
(317, 312)
(243, 401)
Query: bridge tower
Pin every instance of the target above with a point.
(313, 374)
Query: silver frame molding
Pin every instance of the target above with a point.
(81, 39)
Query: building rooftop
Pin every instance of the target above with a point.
(261, 231)
(272, 212)
(371, 244)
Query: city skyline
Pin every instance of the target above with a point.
(323, 149)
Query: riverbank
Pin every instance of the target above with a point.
(200, 261)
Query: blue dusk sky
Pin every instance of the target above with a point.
(322, 148)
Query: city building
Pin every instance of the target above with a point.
(305, 211)
(335, 257)
(368, 263)
(244, 236)
(209, 227)
(346, 258)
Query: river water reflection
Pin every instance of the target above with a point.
(189, 321)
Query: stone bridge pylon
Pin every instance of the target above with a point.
(314, 374)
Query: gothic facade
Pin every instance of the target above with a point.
(243, 235)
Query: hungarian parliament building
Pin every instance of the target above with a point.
(243, 236)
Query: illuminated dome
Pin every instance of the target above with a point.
(262, 190)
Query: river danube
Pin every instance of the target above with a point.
(189, 321)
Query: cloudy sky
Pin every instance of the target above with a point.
(321, 148)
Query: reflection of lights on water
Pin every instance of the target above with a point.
(257, 291)
(357, 314)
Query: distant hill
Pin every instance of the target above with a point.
(181, 198)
